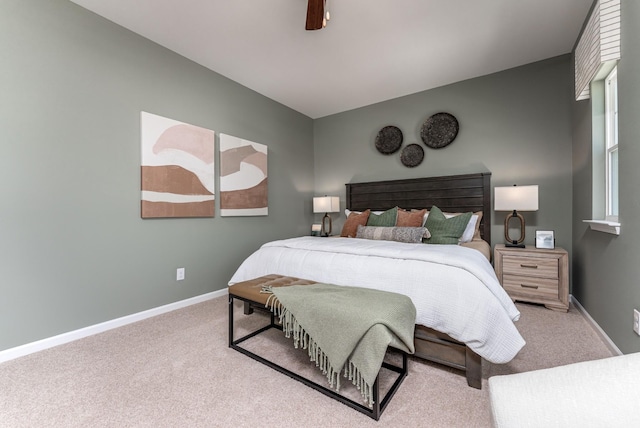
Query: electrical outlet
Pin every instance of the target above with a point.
(179, 274)
(636, 321)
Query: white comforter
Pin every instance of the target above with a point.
(454, 289)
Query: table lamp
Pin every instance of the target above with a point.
(515, 198)
(326, 205)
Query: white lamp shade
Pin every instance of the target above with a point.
(326, 204)
(519, 198)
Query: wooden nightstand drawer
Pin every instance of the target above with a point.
(540, 287)
(534, 275)
(530, 266)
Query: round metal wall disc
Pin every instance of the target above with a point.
(389, 140)
(412, 155)
(439, 130)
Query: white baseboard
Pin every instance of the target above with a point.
(50, 342)
(612, 346)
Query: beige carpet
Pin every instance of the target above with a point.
(175, 370)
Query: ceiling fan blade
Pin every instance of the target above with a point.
(315, 14)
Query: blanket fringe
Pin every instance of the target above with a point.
(268, 289)
(301, 339)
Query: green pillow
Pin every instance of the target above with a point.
(445, 230)
(387, 218)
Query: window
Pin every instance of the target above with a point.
(604, 95)
(611, 144)
(596, 77)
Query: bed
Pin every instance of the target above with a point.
(463, 314)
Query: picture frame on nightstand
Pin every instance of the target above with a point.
(545, 239)
(316, 228)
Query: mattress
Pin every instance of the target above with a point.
(454, 288)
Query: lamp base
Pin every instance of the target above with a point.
(510, 241)
(326, 231)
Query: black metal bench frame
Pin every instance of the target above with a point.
(378, 405)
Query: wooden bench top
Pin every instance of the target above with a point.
(250, 290)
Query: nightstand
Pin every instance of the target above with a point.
(534, 275)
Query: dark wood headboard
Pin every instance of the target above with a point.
(453, 193)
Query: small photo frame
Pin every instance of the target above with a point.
(316, 228)
(545, 239)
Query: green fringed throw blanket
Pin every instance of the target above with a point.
(345, 329)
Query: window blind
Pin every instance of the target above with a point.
(598, 44)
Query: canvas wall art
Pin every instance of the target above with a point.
(243, 177)
(178, 168)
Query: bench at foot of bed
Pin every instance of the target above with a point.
(250, 293)
(430, 344)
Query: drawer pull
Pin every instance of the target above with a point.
(529, 266)
(535, 287)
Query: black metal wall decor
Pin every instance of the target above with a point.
(412, 155)
(439, 130)
(389, 140)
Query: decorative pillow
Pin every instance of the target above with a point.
(386, 219)
(426, 214)
(472, 231)
(410, 219)
(350, 227)
(445, 230)
(412, 235)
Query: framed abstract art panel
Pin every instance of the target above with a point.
(243, 177)
(177, 168)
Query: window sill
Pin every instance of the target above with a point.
(611, 227)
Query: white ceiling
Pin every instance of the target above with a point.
(370, 51)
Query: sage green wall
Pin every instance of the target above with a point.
(606, 269)
(73, 249)
(515, 124)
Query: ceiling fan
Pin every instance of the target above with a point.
(316, 16)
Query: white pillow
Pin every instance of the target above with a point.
(467, 235)
(348, 211)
